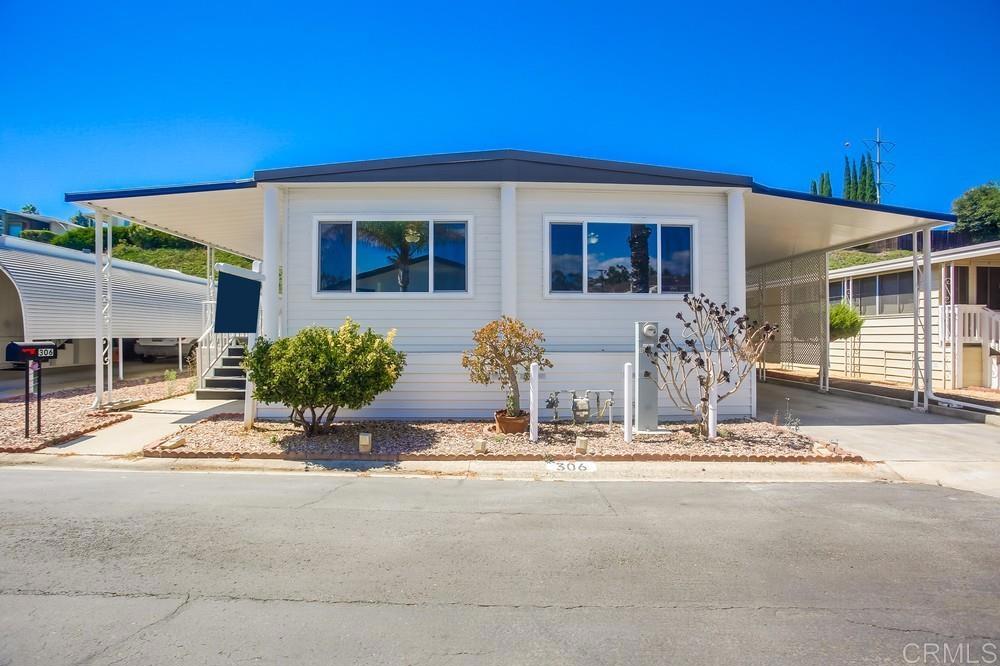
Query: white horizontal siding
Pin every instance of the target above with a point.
(434, 385)
(588, 339)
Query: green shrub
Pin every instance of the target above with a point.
(845, 322)
(39, 235)
(151, 239)
(319, 370)
(76, 239)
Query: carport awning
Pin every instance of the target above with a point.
(783, 224)
(56, 289)
(226, 215)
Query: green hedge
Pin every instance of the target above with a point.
(39, 235)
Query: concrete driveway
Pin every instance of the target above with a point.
(923, 448)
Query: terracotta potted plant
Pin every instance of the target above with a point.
(505, 349)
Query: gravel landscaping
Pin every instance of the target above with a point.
(224, 436)
(67, 414)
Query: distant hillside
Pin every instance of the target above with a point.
(144, 246)
(190, 261)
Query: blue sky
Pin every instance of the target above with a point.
(108, 95)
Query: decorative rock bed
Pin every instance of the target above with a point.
(223, 436)
(67, 414)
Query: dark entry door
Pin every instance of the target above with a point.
(988, 287)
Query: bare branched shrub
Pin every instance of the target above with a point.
(717, 347)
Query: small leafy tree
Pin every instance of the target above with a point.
(30, 209)
(716, 346)
(845, 322)
(319, 370)
(978, 211)
(505, 348)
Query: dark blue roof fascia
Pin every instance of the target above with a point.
(154, 191)
(500, 165)
(880, 208)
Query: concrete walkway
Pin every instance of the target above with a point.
(148, 423)
(922, 448)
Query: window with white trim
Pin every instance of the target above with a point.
(620, 257)
(393, 256)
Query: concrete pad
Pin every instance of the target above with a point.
(148, 423)
(923, 448)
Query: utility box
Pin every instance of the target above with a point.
(26, 352)
(647, 394)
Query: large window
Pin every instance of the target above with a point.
(619, 257)
(393, 256)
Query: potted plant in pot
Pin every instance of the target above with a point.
(506, 348)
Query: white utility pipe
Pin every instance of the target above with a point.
(121, 360)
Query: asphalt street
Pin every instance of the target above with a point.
(315, 568)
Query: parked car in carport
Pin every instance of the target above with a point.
(152, 349)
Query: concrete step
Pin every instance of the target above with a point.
(219, 394)
(238, 383)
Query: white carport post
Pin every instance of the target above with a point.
(916, 325)
(928, 276)
(98, 310)
(270, 261)
(108, 320)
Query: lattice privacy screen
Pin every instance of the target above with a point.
(792, 294)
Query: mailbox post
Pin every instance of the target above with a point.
(32, 355)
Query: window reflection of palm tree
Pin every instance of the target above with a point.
(638, 243)
(403, 240)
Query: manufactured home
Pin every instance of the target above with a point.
(965, 315)
(436, 246)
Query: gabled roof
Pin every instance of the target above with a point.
(499, 165)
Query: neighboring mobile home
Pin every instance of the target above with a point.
(47, 293)
(436, 246)
(965, 315)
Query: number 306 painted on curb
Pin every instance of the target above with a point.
(570, 466)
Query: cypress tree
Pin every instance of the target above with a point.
(827, 185)
(863, 180)
(812, 187)
(855, 183)
(872, 185)
(848, 191)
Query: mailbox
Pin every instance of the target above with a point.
(25, 352)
